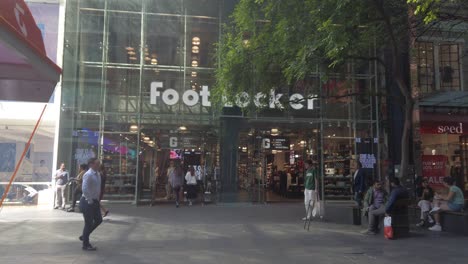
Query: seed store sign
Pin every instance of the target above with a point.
(191, 98)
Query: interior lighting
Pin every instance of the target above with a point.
(154, 61)
(194, 63)
(147, 59)
(195, 49)
(132, 58)
(146, 138)
(131, 53)
(196, 41)
(194, 74)
(129, 48)
(183, 128)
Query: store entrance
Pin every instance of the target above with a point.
(164, 149)
(271, 161)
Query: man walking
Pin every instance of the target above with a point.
(89, 203)
(61, 179)
(359, 184)
(310, 184)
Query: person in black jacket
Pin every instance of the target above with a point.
(359, 185)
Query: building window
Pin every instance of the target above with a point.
(449, 67)
(425, 53)
(442, 56)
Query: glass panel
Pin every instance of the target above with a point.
(122, 89)
(91, 35)
(202, 34)
(164, 6)
(119, 156)
(88, 94)
(124, 38)
(209, 8)
(125, 5)
(164, 40)
(92, 4)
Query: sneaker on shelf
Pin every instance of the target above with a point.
(436, 228)
(420, 224)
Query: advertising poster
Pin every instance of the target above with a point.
(433, 169)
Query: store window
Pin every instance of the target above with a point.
(439, 66)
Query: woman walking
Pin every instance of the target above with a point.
(176, 178)
(102, 172)
(191, 179)
(77, 192)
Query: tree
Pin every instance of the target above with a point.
(282, 42)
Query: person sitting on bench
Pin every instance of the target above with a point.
(426, 195)
(375, 197)
(453, 201)
(398, 192)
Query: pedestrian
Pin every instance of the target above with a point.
(425, 203)
(77, 192)
(61, 179)
(310, 186)
(191, 179)
(398, 192)
(103, 173)
(89, 202)
(375, 198)
(169, 190)
(453, 201)
(359, 186)
(176, 179)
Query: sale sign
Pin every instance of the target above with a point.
(433, 168)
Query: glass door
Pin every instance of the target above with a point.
(119, 155)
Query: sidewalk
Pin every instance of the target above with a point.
(209, 234)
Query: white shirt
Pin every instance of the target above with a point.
(355, 174)
(191, 180)
(91, 185)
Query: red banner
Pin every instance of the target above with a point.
(16, 14)
(433, 168)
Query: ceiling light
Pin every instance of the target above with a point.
(183, 128)
(154, 61)
(133, 127)
(274, 131)
(146, 138)
(195, 49)
(151, 142)
(194, 74)
(194, 63)
(196, 41)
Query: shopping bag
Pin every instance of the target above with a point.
(388, 229)
(318, 211)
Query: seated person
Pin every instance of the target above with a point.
(375, 197)
(398, 192)
(426, 194)
(453, 201)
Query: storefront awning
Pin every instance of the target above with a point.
(446, 99)
(26, 73)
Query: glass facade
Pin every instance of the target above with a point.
(135, 93)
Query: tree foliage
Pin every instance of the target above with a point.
(272, 43)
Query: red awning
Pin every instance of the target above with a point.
(26, 73)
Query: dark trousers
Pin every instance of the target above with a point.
(76, 195)
(177, 193)
(92, 218)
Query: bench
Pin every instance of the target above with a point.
(455, 222)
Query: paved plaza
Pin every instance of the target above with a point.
(210, 234)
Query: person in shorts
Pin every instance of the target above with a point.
(452, 201)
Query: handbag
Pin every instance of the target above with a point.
(388, 229)
(318, 207)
